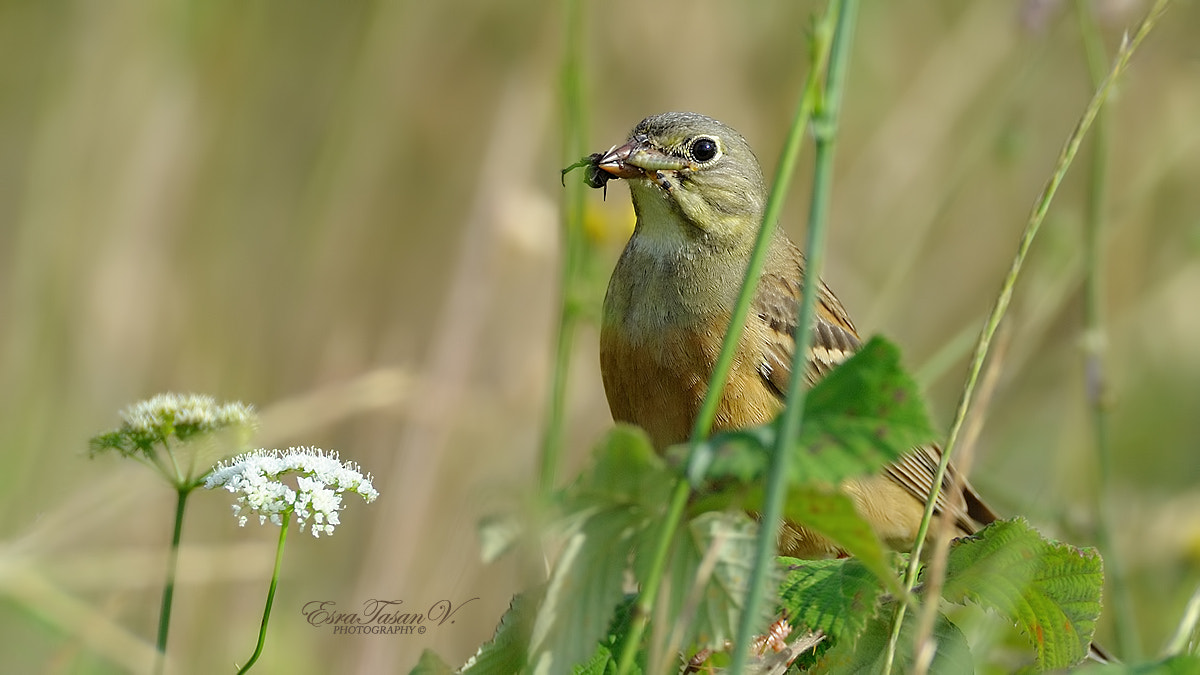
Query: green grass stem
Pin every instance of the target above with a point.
(1184, 641)
(842, 15)
(1038, 215)
(1095, 344)
(783, 177)
(573, 241)
(741, 310)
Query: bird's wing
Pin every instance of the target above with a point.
(775, 303)
(834, 341)
(915, 472)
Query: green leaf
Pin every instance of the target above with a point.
(864, 415)
(604, 661)
(601, 662)
(707, 579)
(431, 664)
(837, 597)
(607, 510)
(585, 587)
(506, 651)
(1050, 590)
(866, 653)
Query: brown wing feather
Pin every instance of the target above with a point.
(835, 340)
(834, 336)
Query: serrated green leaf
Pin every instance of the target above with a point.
(601, 663)
(1050, 590)
(604, 661)
(1183, 664)
(431, 664)
(707, 578)
(506, 652)
(585, 587)
(866, 654)
(837, 597)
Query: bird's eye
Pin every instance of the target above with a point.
(703, 149)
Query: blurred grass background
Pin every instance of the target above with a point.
(347, 215)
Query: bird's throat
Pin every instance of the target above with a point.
(667, 279)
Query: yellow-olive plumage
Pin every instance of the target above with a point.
(699, 195)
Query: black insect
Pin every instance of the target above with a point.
(593, 175)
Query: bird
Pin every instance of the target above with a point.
(698, 196)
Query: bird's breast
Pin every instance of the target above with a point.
(659, 341)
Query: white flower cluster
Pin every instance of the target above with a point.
(321, 480)
(157, 416)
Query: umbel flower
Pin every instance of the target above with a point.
(156, 430)
(321, 479)
(179, 436)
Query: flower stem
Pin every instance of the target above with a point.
(164, 612)
(758, 257)
(262, 631)
(573, 243)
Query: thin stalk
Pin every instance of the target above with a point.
(924, 646)
(822, 43)
(720, 375)
(1036, 217)
(843, 13)
(174, 464)
(1094, 344)
(1185, 633)
(262, 630)
(573, 148)
(168, 597)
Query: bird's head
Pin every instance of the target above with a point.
(690, 176)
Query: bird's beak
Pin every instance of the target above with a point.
(637, 158)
